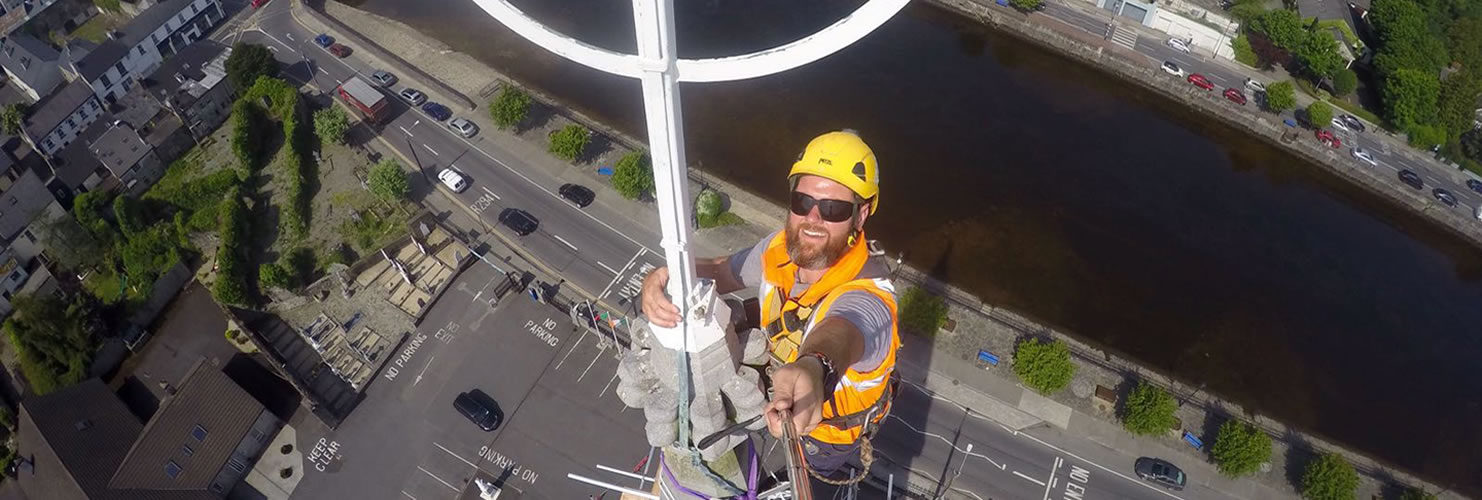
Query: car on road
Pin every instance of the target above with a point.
(323, 41)
(463, 127)
(1364, 155)
(340, 51)
(383, 78)
(1474, 185)
(259, 3)
(577, 194)
(437, 111)
(1326, 137)
(1411, 179)
(479, 408)
(1172, 69)
(1254, 86)
(1235, 96)
(453, 179)
(1178, 44)
(520, 221)
(1339, 124)
(1200, 81)
(1444, 196)
(1161, 472)
(412, 96)
(1353, 122)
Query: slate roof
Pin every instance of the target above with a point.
(137, 30)
(74, 163)
(207, 398)
(76, 435)
(194, 64)
(119, 148)
(51, 110)
(27, 45)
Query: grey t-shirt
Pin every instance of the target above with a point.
(865, 310)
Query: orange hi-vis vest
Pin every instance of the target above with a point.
(861, 397)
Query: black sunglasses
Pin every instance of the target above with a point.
(829, 210)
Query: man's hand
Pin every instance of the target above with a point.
(656, 305)
(797, 386)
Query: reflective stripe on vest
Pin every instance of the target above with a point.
(788, 320)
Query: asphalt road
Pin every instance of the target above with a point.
(593, 248)
(1386, 153)
(555, 388)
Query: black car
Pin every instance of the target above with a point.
(1353, 122)
(479, 408)
(1160, 471)
(1474, 185)
(518, 220)
(437, 111)
(1444, 196)
(1411, 178)
(579, 195)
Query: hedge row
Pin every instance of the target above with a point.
(282, 101)
(246, 140)
(231, 256)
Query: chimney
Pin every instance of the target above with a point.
(179, 78)
(114, 35)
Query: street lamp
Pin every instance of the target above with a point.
(966, 454)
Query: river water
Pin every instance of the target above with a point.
(1053, 189)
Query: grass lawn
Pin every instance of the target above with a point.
(104, 284)
(96, 29)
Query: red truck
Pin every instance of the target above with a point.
(365, 98)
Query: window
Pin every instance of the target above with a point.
(31, 237)
(70, 123)
(119, 66)
(106, 82)
(9, 50)
(47, 144)
(236, 465)
(257, 435)
(192, 9)
(25, 62)
(198, 432)
(154, 37)
(172, 469)
(92, 104)
(141, 50)
(186, 450)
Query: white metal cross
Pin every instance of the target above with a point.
(659, 68)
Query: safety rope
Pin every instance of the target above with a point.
(866, 457)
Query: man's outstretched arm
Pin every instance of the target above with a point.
(656, 304)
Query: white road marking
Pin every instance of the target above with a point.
(573, 349)
(609, 269)
(491, 193)
(609, 384)
(289, 35)
(975, 495)
(429, 148)
(455, 455)
(1099, 466)
(949, 443)
(1027, 478)
(275, 39)
(321, 70)
(424, 370)
(589, 365)
(408, 495)
(272, 48)
(405, 131)
(440, 480)
(563, 241)
(1054, 469)
(615, 279)
(341, 82)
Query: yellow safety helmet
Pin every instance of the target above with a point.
(844, 158)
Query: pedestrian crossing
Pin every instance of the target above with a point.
(1125, 37)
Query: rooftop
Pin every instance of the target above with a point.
(25, 46)
(74, 163)
(1329, 9)
(119, 148)
(192, 72)
(77, 435)
(51, 110)
(137, 30)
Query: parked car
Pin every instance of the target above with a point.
(1444, 196)
(453, 179)
(1339, 124)
(1474, 185)
(323, 41)
(1200, 81)
(463, 127)
(577, 194)
(1254, 86)
(1161, 472)
(1353, 122)
(437, 111)
(1365, 156)
(1326, 137)
(479, 408)
(1178, 44)
(383, 78)
(340, 51)
(413, 96)
(259, 3)
(1411, 179)
(520, 221)
(1235, 96)
(1172, 69)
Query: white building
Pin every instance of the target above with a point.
(139, 47)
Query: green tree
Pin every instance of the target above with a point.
(708, 207)
(1410, 97)
(11, 118)
(1319, 52)
(1465, 36)
(246, 141)
(1027, 5)
(1283, 27)
(1281, 96)
(1406, 40)
(231, 278)
(331, 124)
(1344, 82)
(633, 177)
(569, 142)
(1330, 477)
(1247, 10)
(129, 213)
(71, 244)
(1149, 410)
(1243, 51)
(389, 181)
(1457, 103)
(1417, 494)
(1319, 114)
(1240, 448)
(90, 210)
(1043, 366)
(1471, 144)
(510, 107)
(1425, 136)
(922, 312)
(54, 338)
(248, 62)
(150, 252)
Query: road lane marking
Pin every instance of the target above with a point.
(949, 443)
(409, 495)
(429, 148)
(1027, 478)
(975, 495)
(491, 193)
(609, 269)
(455, 455)
(573, 349)
(440, 480)
(589, 365)
(615, 279)
(1053, 470)
(405, 131)
(275, 39)
(321, 70)
(417, 380)
(272, 48)
(289, 35)
(563, 241)
(1099, 466)
(609, 384)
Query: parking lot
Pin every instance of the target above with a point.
(554, 385)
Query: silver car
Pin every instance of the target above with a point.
(463, 127)
(413, 96)
(383, 78)
(1365, 156)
